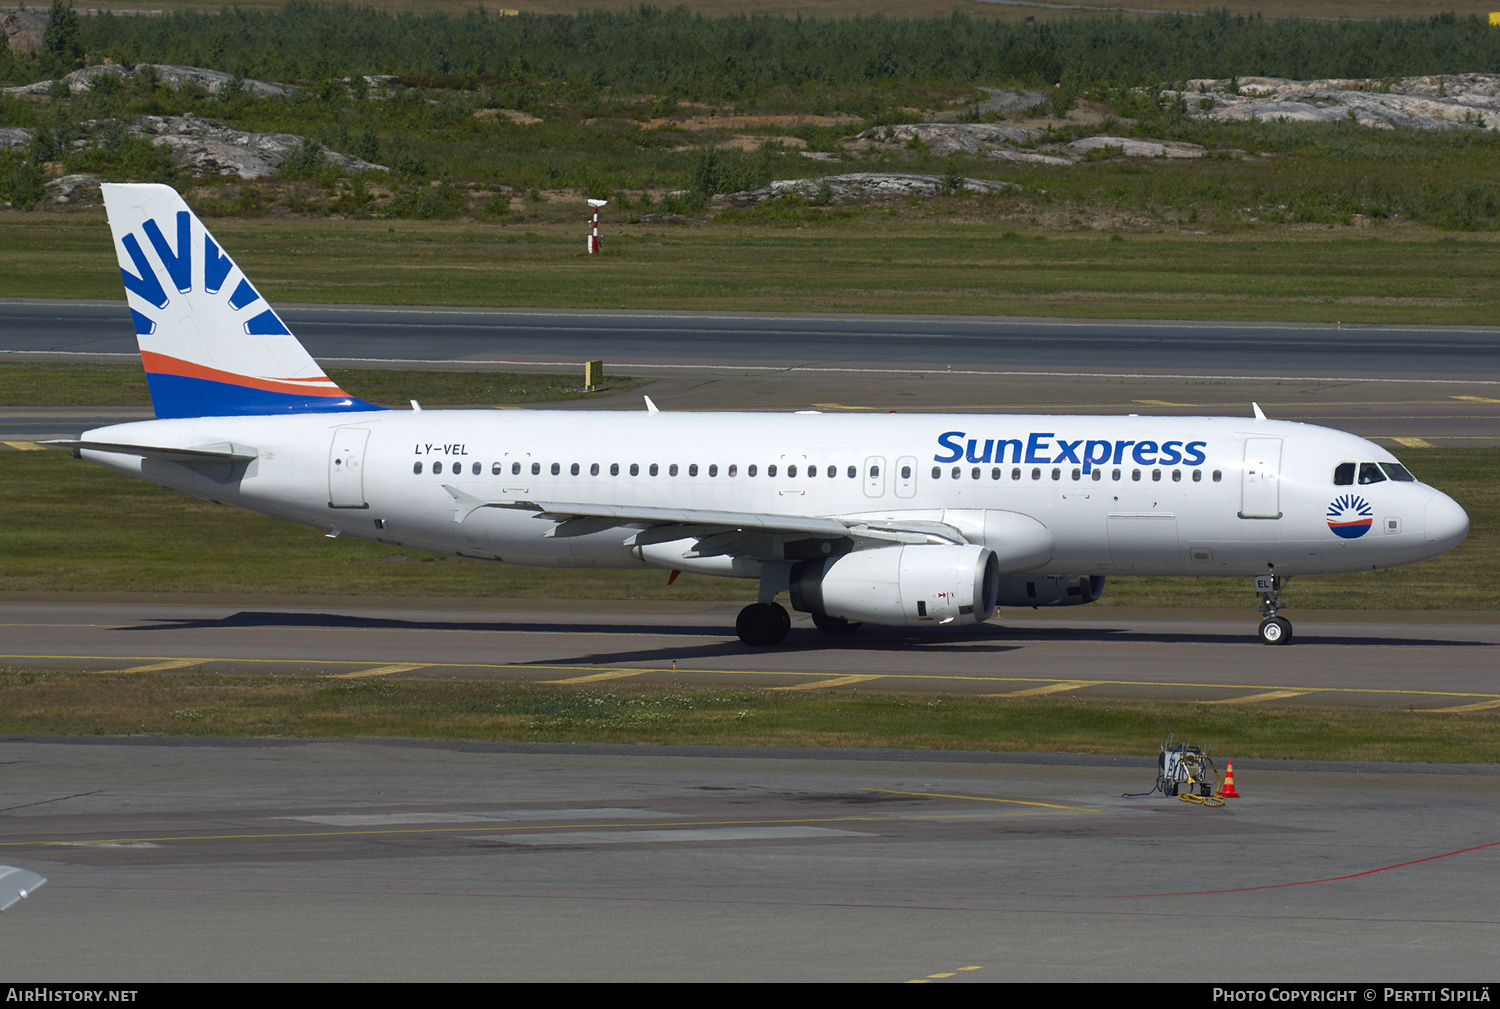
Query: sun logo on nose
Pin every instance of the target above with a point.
(1350, 516)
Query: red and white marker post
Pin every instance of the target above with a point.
(596, 244)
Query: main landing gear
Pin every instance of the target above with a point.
(760, 625)
(1274, 630)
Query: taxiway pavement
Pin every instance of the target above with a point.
(395, 861)
(1441, 661)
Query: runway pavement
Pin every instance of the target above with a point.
(1412, 388)
(1438, 662)
(352, 332)
(392, 861)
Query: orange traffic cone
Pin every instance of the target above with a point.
(1227, 791)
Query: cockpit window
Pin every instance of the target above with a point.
(1343, 474)
(1369, 472)
(1398, 472)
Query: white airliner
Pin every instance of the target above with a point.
(909, 520)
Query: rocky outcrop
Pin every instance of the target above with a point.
(169, 75)
(14, 136)
(1452, 101)
(66, 188)
(211, 148)
(1132, 148)
(971, 138)
(1022, 143)
(862, 186)
(23, 30)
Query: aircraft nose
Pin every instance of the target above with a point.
(1446, 523)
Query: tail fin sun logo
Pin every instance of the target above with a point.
(1350, 516)
(211, 344)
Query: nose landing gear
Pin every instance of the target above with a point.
(1274, 630)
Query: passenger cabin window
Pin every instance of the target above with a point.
(556, 468)
(536, 469)
(752, 470)
(905, 473)
(416, 467)
(771, 470)
(692, 469)
(937, 472)
(1343, 475)
(476, 469)
(437, 467)
(654, 469)
(495, 469)
(515, 469)
(672, 470)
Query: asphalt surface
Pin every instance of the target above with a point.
(391, 861)
(775, 341)
(1436, 662)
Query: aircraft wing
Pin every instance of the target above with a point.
(577, 518)
(225, 452)
(17, 884)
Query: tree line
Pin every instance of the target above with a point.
(725, 59)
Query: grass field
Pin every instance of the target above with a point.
(125, 385)
(894, 8)
(936, 259)
(191, 704)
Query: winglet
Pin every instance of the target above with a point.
(1259, 414)
(650, 406)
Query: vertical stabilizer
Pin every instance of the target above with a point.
(211, 345)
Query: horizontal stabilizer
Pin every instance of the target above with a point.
(222, 452)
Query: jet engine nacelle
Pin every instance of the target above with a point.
(901, 585)
(1050, 590)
